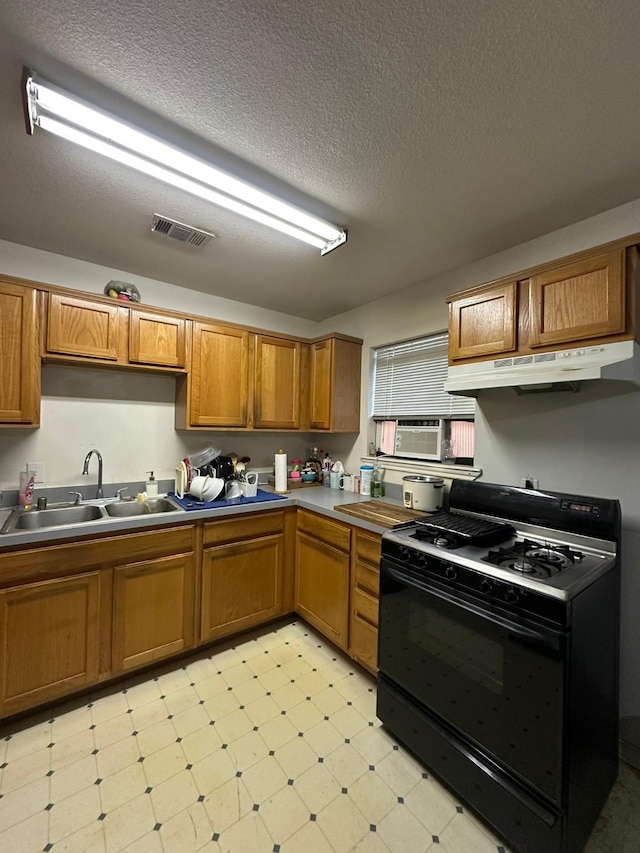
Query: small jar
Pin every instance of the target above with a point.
(296, 466)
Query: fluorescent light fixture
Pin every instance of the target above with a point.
(58, 112)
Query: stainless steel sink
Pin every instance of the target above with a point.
(73, 514)
(126, 509)
(37, 519)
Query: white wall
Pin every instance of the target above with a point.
(588, 442)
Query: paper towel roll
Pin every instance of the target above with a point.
(281, 471)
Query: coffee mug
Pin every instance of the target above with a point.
(251, 477)
(347, 482)
(336, 481)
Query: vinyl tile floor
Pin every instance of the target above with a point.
(269, 745)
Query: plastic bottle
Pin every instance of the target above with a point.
(151, 486)
(376, 483)
(366, 475)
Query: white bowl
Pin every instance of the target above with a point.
(213, 488)
(206, 488)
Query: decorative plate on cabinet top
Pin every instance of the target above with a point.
(123, 290)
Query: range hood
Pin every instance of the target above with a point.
(563, 370)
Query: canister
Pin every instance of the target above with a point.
(366, 473)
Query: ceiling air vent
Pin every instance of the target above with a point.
(179, 231)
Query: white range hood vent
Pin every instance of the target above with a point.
(563, 370)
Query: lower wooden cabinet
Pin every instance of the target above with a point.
(51, 634)
(243, 572)
(365, 588)
(322, 575)
(153, 610)
(128, 600)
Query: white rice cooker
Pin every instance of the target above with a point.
(423, 493)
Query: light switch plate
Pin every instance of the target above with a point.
(38, 467)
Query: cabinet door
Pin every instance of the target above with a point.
(219, 376)
(484, 323)
(50, 634)
(153, 610)
(81, 327)
(277, 383)
(322, 588)
(156, 339)
(320, 386)
(578, 301)
(241, 585)
(365, 585)
(19, 356)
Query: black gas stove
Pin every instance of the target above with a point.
(554, 557)
(498, 655)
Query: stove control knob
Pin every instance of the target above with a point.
(512, 596)
(403, 552)
(451, 572)
(486, 585)
(422, 560)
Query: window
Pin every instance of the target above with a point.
(408, 382)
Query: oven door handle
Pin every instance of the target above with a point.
(543, 636)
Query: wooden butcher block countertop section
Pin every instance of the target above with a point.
(379, 512)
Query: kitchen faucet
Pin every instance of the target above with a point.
(85, 469)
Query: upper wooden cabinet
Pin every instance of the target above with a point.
(590, 297)
(19, 356)
(230, 376)
(218, 386)
(276, 400)
(334, 384)
(483, 323)
(82, 327)
(93, 330)
(156, 339)
(242, 379)
(582, 300)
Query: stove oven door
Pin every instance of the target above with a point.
(496, 682)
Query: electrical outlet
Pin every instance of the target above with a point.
(38, 468)
(529, 482)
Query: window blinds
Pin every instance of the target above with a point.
(408, 381)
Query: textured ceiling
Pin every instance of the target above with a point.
(438, 132)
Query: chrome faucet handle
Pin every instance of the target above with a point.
(120, 491)
(78, 497)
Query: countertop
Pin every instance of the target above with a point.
(318, 499)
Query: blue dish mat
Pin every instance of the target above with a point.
(190, 503)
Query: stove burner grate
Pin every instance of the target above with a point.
(540, 560)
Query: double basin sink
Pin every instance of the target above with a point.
(74, 514)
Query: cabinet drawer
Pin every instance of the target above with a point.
(367, 548)
(364, 644)
(366, 579)
(331, 532)
(365, 607)
(243, 527)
